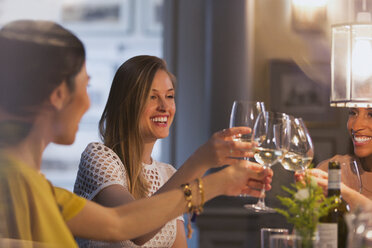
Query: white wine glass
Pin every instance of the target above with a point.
(244, 114)
(270, 135)
(356, 167)
(300, 152)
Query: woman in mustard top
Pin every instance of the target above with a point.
(43, 95)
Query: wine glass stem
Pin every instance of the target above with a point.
(261, 199)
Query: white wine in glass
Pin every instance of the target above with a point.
(295, 162)
(267, 155)
(300, 152)
(270, 133)
(244, 114)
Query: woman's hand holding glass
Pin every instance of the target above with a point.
(270, 135)
(222, 148)
(352, 196)
(321, 178)
(246, 177)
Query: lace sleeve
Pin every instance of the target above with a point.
(167, 171)
(171, 170)
(99, 167)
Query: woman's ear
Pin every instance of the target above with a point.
(59, 96)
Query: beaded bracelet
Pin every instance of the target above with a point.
(188, 197)
(201, 192)
(193, 211)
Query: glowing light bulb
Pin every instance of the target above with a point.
(362, 60)
(309, 3)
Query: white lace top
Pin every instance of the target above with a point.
(100, 167)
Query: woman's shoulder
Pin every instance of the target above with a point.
(168, 169)
(96, 150)
(97, 147)
(99, 167)
(97, 154)
(339, 157)
(163, 165)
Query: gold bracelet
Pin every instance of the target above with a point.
(201, 192)
(188, 197)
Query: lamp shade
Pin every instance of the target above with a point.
(351, 65)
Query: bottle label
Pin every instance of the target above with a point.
(334, 178)
(327, 235)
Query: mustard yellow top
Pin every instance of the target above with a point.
(32, 209)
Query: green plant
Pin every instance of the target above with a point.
(305, 205)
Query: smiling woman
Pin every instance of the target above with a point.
(159, 110)
(356, 169)
(359, 126)
(139, 111)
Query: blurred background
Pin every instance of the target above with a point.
(276, 51)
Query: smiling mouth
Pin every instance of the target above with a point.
(160, 120)
(361, 139)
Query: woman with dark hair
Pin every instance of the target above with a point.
(43, 96)
(356, 169)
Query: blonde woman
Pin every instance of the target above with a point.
(139, 111)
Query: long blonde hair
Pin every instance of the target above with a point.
(119, 125)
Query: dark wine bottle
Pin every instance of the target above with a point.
(332, 228)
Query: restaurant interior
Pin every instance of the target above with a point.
(281, 52)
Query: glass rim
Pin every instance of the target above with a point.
(276, 114)
(285, 236)
(249, 101)
(270, 229)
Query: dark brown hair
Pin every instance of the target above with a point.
(36, 57)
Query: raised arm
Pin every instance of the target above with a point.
(144, 215)
(217, 151)
(352, 197)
